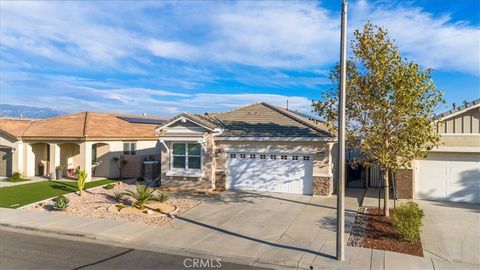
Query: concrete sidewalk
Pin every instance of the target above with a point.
(141, 236)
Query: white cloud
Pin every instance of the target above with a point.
(431, 41)
(172, 49)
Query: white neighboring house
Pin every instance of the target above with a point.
(451, 172)
(89, 140)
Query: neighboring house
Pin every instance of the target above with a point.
(88, 140)
(451, 172)
(258, 147)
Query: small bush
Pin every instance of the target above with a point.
(118, 196)
(16, 177)
(140, 179)
(162, 197)
(109, 186)
(81, 179)
(61, 202)
(407, 221)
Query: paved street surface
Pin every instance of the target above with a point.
(30, 251)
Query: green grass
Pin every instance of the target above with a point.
(17, 196)
(10, 180)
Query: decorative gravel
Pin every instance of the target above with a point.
(358, 232)
(95, 202)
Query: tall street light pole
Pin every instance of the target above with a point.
(341, 139)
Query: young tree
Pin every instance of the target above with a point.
(389, 104)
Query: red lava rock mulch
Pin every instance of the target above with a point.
(372, 230)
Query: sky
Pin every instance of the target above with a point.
(164, 58)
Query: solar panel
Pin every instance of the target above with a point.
(141, 120)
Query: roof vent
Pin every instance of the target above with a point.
(144, 114)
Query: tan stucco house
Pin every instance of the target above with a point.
(88, 140)
(451, 172)
(258, 147)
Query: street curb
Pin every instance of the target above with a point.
(154, 248)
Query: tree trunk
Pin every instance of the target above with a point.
(386, 194)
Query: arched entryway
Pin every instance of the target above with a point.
(101, 160)
(41, 163)
(69, 158)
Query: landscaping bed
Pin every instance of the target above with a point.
(100, 203)
(372, 230)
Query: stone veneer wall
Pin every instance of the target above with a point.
(404, 188)
(220, 180)
(322, 185)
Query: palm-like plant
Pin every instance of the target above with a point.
(142, 195)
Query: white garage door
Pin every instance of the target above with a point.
(449, 177)
(270, 172)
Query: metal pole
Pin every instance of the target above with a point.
(341, 139)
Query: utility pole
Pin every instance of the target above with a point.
(341, 139)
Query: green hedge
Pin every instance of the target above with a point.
(408, 221)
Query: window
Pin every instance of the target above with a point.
(252, 156)
(306, 157)
(283, 157)
(273, 156)
(130, 148)
(242, 155)
(263, 156)
(94, 153)
(294, 157)
(233, 155)
(186, 156)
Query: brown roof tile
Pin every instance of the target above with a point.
(92, 125)
(14, 127)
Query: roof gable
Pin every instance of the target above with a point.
(265, 120)
(461, 109)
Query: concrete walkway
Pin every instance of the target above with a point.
(252, 228)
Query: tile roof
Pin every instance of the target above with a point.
(14, 127)
(88, 125)
(265, 120)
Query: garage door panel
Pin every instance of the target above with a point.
(449, 177)
(271, 172)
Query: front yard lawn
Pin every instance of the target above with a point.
(20, 195)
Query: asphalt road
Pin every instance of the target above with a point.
(31, 251)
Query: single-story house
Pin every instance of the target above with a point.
(258, 147)
(89, 140)
(451, 172)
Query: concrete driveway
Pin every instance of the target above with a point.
(269, 227)
(451, 233)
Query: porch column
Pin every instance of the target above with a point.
(29, 169)
(54, 158)
(18, 158)
(86, 158)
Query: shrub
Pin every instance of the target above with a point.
(16, 177)
(61, 202)
(118, 196)
(81, 178)
(142, 195)
(109, 186)
(407, 221)
(140, 179)
(162, 197)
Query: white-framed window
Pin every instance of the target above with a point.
(242, 155)
(263, 156)
(130, 148)
(294, 157)
(233, 155)
(283, 157)
(306, 157)
(252, 156)
(273, 156)
(187, 156)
